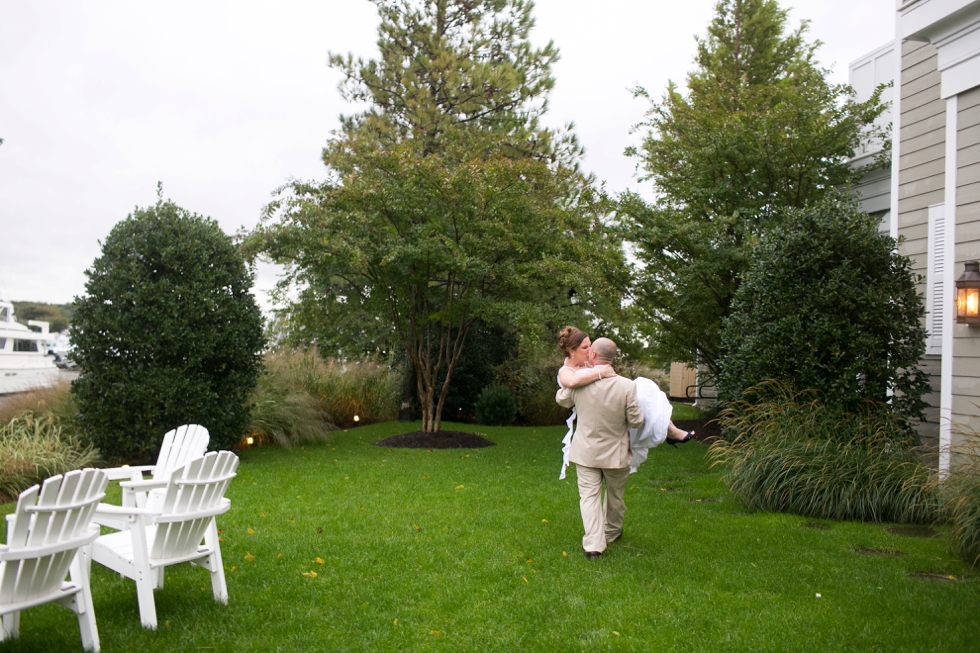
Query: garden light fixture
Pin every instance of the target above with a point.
(968, 295)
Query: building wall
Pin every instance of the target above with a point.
(966, 340)
(921, 183)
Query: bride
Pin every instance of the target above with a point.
(577, 372)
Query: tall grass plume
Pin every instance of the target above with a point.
(301, 397)
(960, 492)
(787, 451)
(32, 448)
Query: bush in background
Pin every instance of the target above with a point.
(794, 453)
(828, 303)
(167, 334)
(496, 406)
(32, 448)
(532, 380)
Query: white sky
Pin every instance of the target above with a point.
(224, 101)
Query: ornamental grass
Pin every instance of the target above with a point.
(301, 397)
(960, 493)
(32, 448)
(787, 451)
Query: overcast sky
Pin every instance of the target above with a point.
(225, 101)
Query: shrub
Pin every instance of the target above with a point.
(34, 448)
(167, 334)
(828, 304)
(794, 453)
(532, 380)
(496, 406)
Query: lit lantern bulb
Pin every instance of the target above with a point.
(250, 440)
(357, 418)
(972, 301)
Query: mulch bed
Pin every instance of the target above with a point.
(440, 440)
(706, 431)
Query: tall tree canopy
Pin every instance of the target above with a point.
(446, 203)
(760, 130)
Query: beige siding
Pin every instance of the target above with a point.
(921, 180)
(874, 192)
(966, 340)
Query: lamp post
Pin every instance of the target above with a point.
(968, 295)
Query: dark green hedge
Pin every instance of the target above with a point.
(168, 333)
(828, 304)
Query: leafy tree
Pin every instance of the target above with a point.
(447, 205)
(167, 334)
(828, 304)
(759, 131)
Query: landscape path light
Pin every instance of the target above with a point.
(968, 295)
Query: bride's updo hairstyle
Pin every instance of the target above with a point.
(570, 338)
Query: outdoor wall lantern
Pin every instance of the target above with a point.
(968, 295)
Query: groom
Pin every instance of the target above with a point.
(601, 448)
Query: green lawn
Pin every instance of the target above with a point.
(480, 550)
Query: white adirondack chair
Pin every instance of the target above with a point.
(171, 533)
(50, 526)
(179, 446)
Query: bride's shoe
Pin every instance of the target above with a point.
(687, 437)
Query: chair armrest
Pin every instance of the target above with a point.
(142, 486)
(117, 473)
(122, 511)
(118, 517)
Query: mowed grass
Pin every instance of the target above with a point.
(480, 550)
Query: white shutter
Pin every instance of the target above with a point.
(935, 304)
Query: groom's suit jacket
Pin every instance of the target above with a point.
(606, 409)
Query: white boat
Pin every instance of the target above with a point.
(24, 363)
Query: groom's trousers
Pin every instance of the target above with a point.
(602, 516)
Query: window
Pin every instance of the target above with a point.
(25, 345)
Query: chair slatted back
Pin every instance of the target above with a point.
(194, 496)
(180, 445)
(57, 517)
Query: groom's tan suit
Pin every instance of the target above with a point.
(601, 452)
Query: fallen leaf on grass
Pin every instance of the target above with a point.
(615, 633)
(564, 554)
(394, 623)
(524, 578)
(309, 574)
(459, 487)
(544, 521)
(319, 561)
(435, 632)
(248, 557)
(262, 514)
(416, 527)
(251, 531)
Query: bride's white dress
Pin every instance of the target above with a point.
(656, 411)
